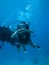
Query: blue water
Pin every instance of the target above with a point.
(35, 11)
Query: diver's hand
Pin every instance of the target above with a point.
(37, 46)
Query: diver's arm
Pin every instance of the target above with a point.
(20, 31)
(16, 32)
(13, 35)
(29, 31)
(33, 45)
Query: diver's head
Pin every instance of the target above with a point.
(23, 24)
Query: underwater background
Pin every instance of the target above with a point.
(36, 12)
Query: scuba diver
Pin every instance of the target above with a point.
(23, 34)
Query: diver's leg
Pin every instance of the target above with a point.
(34, 45)
(23, 45)
(18, 46)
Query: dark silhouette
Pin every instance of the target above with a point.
(19, 37)
(5, 35)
